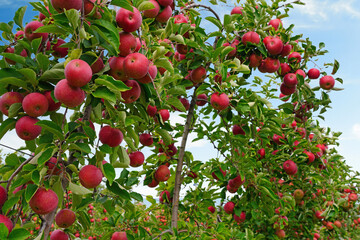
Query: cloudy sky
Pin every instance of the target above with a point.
(334, 22)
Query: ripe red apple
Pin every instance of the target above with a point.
(274, 46)
(127, 44)
(198, 75)
(238, 130)
(290, 167)
(26, 129)
(275, 23)
(311, 156)
(353, 197)
(12, 50)
(236, 10)
(219, 101)
(314, 73)
(290, 80)
(327, 82)
(164, 114)
(180, 18)
(286, 50)
(31, 27)
(127, 20)
(240, 218)
(280, 233)
(229, 207)
(234, 45)
(211, 209)
(59, 52)
(271, 64)
(119, 236)
(165, 197)
(262, 67)
(284, 69)
(44, 201)
(255, 60)
(111, 136)
(8, 99)
(151, 74)
(201, 99)
(8, 223)
(117, 68)
(59, 235)
(185, 103)
(146, 139)
(151, 110)
(251, 37)
(301, 73)
(236, 182)
(52, 105)
(19, 35)
(136, 159)
(133, 94)
(136, 65)
(35, 104)
(164, 15)
(216, 177)
(97, 66)
(182, 48)
(165, 3)
(178, 56)
(337, 223)
(53, 167)
(68, 95)
(261, 152)
(78, 73)
(162, 174)
(60, 5)
(152, 13)
(90, 176)
(3, 196)
(65, 218)
(89, 6)
(287, 90)
(294, 57)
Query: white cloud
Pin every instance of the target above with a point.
(356, 130)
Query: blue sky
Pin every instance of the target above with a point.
(334, 22)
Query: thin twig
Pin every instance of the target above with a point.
(15, 149)
(16, 172)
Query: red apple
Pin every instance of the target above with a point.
(240, 218)
(53, 167)
(68, 95)
(261, 152)
(59, 52)
(255, 60)
(60, 5)
(165, 197)
(198, 75)
(290, 167)
(59, 235)
(327, 82)
(301, 73)
(165, 115)
(111, 136)
(219, 101)
(165, 3)
(127, 20)
(44, 201)
(78, 73)
(271, 64)
(133, 94)
(7, 222)
(162, 174)
(251, 37)
(35, 104)
(65, 218)
(146, 139)
(164, 15)
(238, 130)
(119, 236)
(290, 80)
(181, 48)
(3, 196)
(314, 73)
(97, 66)
(152, 13)
(286, 50)
(19, 35)
(294, 57)
(201, 99)
(127, 44)
(26, 129)
(12, 50)
(284, 69)
(151, 110)
(236, 10)
(211, 209)
(31, 27)
(275, 23)
(280, 233)
(8, 99)
(229, 207)
(90, 176)
(274, 46)
(152, 72)
(216, 177)
(117, 68)
(287, 90)
(52, 105)
(136, 159)
(136, 65)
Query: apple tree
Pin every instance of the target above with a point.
(90, 88)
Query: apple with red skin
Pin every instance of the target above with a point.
(179, 57)
(271, 64)
(211, 209)
(316, 236)
(310, 155)
(44, 201)
(251, 37)
(275, 23)
(198, 75)
(290, 167)
(337, 223)
(8, 99)
(255, 60)
(165, 3)
(12, 50)
(117, 68)
(19, 35)
(59, 235)
(185, 103)
(8, 223)
(241, 218)
(327, 82)
(262, 67)
(301, 73)
(180, 18)
(60, 5)
(127, 20)
(234, 44)
(65, 218)
(136, 65)
(261, 152)
(276, 139)
(353, 197)
(97, 66)
(3, 196)
(181, 48)
(152, 72)
(290, 80)
(286, 50)
(42, 16)
(229, 207)
(146, 139)
(151, 110)
(284, 69)
(230, 189)
(165, 197)
(274, 46)
(152, 13)
(219, 101)
(236, 182)
(31, 27)
(238, 130)
(59, 52)
(136, 159)
(164, 15)
(89, 6)
(280, 233)
(162, 174)
(287, 90)
(26, 129)
(53, 167)
(111, 136)
(236, 10)
(164, 114)
(119, 236)
(314, 73)
(68, 95)
(35, 104)
(78, 73)
(90, 176)
(201, 99)
(267, 39)
(294, 57)
(153, 183)
(192, 174)
(133, 94)
(127, 44)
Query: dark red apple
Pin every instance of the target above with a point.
(146, 139)
(201, 99)
(8, 99)
(127, 44)
(133, 94)
(229, 207)
(31, 27)
(162, 174)
(90, 176)
(59, 52)
(136, 159)
(44, 201)
(65, 218)
(314, 73)
(60, 5)
(290, 167)
(127, 20)
(26, 129)
(111, 136)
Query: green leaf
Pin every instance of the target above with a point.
(177, 38)
(12, 160)
(5, 27)
(146, 5)
(136, 196)
(214, 21)
(51, 127)
(30, 191)
(109, 33)
(115, 188)
(150, 199)
(52, 28)
(79, 190)
(30, 75)
(35, 176)
(109, 172)
(122, 3)
(112, 84)
(166, 137)
(73, 17)
(9, 204)
(124, 160)
(19, 234)
(45, 155)
(43, 61)
(14, 110)
(58, 189)
(82, 147)
(19, 15)
(105, 93)
(54, 74)
(7, 125)
(164, 63)
(4, 82)
(336, 67)
(173, 101)
(15, 57)
(4, 231)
